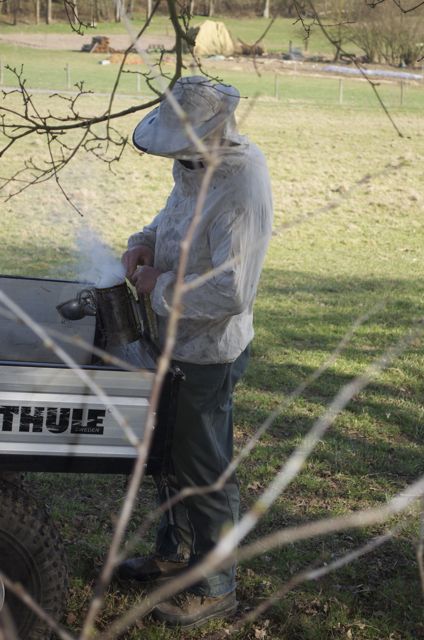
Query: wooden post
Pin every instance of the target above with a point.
(340, 90)
(276, 87)
(68, 75)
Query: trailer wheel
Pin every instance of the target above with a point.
(31, 553)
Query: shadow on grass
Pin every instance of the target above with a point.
(373, 450)
(300, 319)
(304, 311)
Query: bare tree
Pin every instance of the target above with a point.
(99, 137)
(48, 14)
(37, 11)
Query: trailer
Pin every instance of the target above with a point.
(52, 421)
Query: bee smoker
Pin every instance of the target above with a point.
(118, 318)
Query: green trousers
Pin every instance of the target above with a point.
(202, 448)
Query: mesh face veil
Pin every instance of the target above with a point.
(206, 107)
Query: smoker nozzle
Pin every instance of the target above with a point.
(83, 305)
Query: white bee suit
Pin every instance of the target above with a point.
(234, 227)
(216, 323)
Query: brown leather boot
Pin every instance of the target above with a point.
(152, 568)
(188, 610)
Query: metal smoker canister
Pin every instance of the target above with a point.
(117, 315)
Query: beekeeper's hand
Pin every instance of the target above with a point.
(139, 255)
(144, 279)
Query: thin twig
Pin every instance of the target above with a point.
(357, 65)
(144, 446)
(252, 442)
(66, 358)
(420, 547)
(224, 552)
(313, 574)
(21, 593)
(399, 503)
(125, 56)
(106, 357)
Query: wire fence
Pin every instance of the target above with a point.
(290, 85)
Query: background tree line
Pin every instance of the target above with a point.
(384, 30)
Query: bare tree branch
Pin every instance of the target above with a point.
(224, 551)
(311, 574)
(372, 84)
(66, 358)
(21, 593)
(252, 442)
(420, 547)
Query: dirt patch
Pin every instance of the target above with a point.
(132, 58)
(74, 42)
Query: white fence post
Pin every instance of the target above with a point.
(68, 75)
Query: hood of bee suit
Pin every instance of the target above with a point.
(206, 107)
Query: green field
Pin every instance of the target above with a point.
(320, 275)
(45, 70)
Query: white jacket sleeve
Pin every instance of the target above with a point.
(235, 238)
(146, 237)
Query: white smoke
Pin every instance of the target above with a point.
(98, 264)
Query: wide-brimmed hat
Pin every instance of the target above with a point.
(207, 105)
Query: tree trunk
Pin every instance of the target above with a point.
(75, 10)
(149, 9)
(211, 8)
(48, 11)
(192, 8)
(37, 11)
(337, 51)
(266, 8)
(117, 11)
(95, 13)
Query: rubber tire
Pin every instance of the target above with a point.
(32, 554)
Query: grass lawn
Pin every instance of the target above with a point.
(47, 70)
(320, 275)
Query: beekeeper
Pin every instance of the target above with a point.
(214, 331)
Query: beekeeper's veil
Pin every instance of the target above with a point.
(237, 209)
(206, 107)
